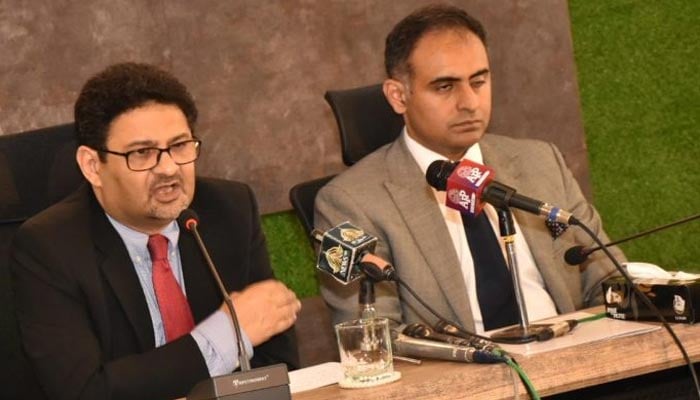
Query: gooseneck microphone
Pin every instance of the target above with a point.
(189, 219)
(468, 184)
(266, 383)
(578, 254)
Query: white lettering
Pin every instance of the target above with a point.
(240, 382)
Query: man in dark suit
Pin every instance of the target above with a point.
(114, 299)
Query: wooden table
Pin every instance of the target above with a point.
(551, 373)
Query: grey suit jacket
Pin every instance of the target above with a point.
(387, 195)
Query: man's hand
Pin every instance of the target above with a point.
(265, 309)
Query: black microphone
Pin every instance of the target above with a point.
(271, 382)
(420, 331)
(449, 328)
(421, 348)
(578, 254)
(468, 183)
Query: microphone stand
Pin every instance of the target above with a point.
(265, 383)
(523, 333)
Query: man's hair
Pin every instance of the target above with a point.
(403, 38)
(121, 88)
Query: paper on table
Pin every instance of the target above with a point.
(315, 376)
(587, 332)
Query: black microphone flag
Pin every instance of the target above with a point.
(342, 249)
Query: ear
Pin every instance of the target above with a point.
(396, 94)
(90, 164)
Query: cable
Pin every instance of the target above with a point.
(647, 232)
(645, 300)
(437, 314)
(507, 358)
(592, 318)
(524, 378)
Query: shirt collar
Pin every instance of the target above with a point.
(424, 156)
(139, 240)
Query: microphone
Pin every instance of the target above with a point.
(376, 269)
(271, 382)
(468, 184)
(420, 348)
(420, 331)
(578, 254)
(342, 250)
(448, 328)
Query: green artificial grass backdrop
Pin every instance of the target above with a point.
(639, 84)
(639, 80)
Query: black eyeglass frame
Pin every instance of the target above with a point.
(198, 148)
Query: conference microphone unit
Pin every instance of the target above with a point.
(266, 383)
(578, 254)
(469, 184)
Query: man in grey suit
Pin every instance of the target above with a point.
(439, 80)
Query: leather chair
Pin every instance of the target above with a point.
(314, 328)
(365, 119)
(302, 197)
(37, 168)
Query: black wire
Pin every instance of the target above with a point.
(644, 299)
(437, 314)
(527, 385)
(650, 231)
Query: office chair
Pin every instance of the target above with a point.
(302, 197)
(37, 168)
(314, 329)
(365, 119)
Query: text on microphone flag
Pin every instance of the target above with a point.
(465, 186)
(341, 249)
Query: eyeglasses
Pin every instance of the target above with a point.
(147, 158)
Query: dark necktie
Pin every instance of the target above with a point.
(174, 308)
(494, 286)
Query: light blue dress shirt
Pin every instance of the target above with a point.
(214, 335)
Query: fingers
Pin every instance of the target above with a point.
(265, 309)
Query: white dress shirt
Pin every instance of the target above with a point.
(538, 302)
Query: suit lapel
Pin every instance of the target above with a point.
(421, 214)
(506, 161)
(119, 272)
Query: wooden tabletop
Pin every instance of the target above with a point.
(551, 372)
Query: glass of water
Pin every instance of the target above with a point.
(365, 352)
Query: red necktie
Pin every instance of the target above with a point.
(174, 308)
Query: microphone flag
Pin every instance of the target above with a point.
(342, 248)
(465, 187)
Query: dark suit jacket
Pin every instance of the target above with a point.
(82, 313)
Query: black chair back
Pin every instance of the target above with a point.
(302, 197)
(37, 168)
(365, 119)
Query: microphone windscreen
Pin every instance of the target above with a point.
(188, 218)
(437, 173)
(576, 255)
(377, 268)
